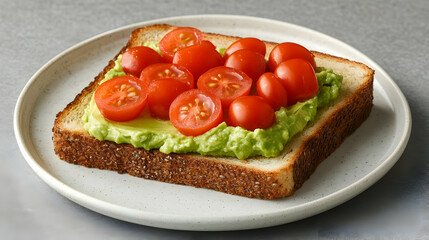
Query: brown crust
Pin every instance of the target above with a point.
(81, 149)
(339, 125)
(173, 168)
(331, 135)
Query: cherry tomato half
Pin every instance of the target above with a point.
(161, 93)
(177, 39)
(167, 70)
(289, 50)
(269, 87)
(198, 59)
(298, 78)
(249, 43)
(121, 99)
(251, 112)
(250, 62)
(226, 83)
(135, 59)
(194, 112)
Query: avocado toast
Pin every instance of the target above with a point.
(259, 177)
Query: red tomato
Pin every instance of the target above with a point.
(167, 70)
(194, 112)
(269, 87)
(198, 59)
(135, 59)
(250, 62)
(298, 78)
(286, 51)
(208, 43)
(226, 83)
(253, 44)
(251, 112)
(121, 99)
(161, 93)
(177, 39)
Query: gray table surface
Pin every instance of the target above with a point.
(395, 34)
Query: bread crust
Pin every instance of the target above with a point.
(80, 148)
(331, 135)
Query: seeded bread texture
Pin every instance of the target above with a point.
(264, 178)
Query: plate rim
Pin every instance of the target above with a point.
(158, 219)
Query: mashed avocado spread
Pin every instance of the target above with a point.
(149, 133)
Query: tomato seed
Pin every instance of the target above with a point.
(212, 85)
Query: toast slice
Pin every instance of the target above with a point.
(264, 178)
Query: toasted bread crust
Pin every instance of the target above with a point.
(206, 172)
(331, 135)
(172, 168)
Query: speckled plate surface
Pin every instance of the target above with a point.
(362, 159)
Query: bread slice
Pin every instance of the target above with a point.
(258, 177)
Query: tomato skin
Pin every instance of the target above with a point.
(135, 59)
(208, 43)
(250, 62)
(289, 50)
(194, 112)
(177, 39)
(167, 70)
(161, 93)
(198, 59)
(251, 112)
(113, 101)
(249, 43)
(269, 87)
(226, 83)
(298, 78)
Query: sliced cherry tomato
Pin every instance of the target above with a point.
(167, 70)
(251, 112)
(161, 93)
(253, 44)
(121, 99)
(298, 78)
(226, 83)
(177, 39)
(250, 62)
(289, 50)
(198, 59)
(269, 87)
(194, 112)
(135, 59)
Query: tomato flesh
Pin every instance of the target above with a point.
(251, 112)
(250, 62)
(167, 70)
(226, 83)
(289, 50)
(178, 39)
(269, 87)
(135, 59)
(121, 99)
(198, 59)
(249, 43)
(194, 112)
(298, 78)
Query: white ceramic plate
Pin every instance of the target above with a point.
(362, 159)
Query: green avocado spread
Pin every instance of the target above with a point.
(150, 133)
